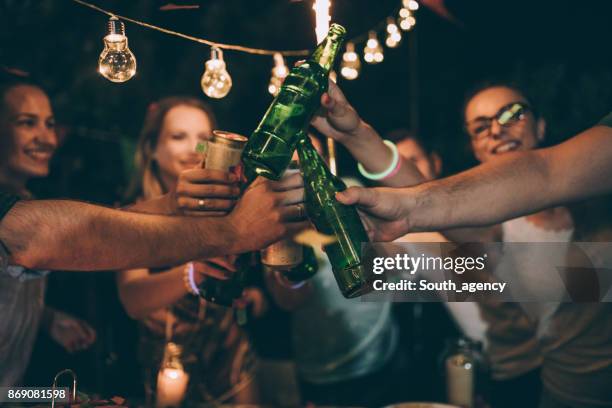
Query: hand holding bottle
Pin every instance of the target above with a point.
(384, 211)
(269, 211)
(337, 119)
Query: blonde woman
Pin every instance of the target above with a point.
(216, 352)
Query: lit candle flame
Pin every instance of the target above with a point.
(321, 8)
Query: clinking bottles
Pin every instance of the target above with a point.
(330, 217)
(271, 145)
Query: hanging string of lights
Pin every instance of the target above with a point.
(117, 63)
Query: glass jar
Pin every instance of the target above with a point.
(465, 372)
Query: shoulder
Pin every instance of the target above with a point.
(606, 120)
(7, 201)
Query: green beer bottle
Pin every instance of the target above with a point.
(330, 217)
(270, 147)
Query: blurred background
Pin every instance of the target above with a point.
(558, 50)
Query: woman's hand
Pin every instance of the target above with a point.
(206, 192)
(71, 333)
(337, 119)
(220, 268)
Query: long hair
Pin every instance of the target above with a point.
(147, 181)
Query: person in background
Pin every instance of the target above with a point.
(346, 351)
(27, 143)
(219, 357)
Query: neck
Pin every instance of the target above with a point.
(168, 181)
(15, 182)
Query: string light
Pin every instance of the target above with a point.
(373, 51)
(116, 63)
(350, 65)
(279, 73)
(406, 20)
(216, 81)
(393, 34)
(412, 5)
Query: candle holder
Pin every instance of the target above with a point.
(172, 380)
(54, 386)
(465, 371)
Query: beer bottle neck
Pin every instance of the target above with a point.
(310, 161)
(325, 53)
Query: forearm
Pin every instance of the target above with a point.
(160, 205)
(143, 295)
(485, 195)
(77, 236)
(367, 147)
(518, 184)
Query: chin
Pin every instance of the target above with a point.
(36, 172)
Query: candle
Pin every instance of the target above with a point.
(460, 381)
(171, 387)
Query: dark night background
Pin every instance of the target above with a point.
(559, 50)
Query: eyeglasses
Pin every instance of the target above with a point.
(507, 116)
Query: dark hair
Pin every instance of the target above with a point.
(146, 182)
(11, 78)
(397, 135)
(494, 83)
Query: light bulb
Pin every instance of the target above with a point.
(373, 51)
(411, 4)
(116, 62)
(216, 82)
(393, 35)
(279, 73)
(407, 20)
(350, 65)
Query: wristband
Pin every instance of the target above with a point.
(389, 171)
(189, 279)
(395, 170)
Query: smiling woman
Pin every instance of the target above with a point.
(27, 143)
(27, 139)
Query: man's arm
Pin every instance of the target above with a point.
(61, 234)
(515, 184)
(519, 184)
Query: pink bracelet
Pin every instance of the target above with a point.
(394, 171)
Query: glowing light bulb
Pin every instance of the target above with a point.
(407, 20)
(373, 51)
(393, 34)
(350, 65)
(216, 81)
(116, 62)
(279, 72)
(411, 4)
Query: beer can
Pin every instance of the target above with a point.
(223, 151)
(285, 253)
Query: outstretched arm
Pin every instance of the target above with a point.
(61, 234)
(516, 184)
